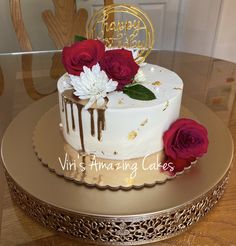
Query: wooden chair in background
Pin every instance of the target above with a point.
(66, 22)
(62, 26)
(25, 45)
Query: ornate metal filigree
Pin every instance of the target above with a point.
(118, 231)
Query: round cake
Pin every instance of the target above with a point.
(124, 128)
(119, 114)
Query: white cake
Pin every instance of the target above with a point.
(121, 114)
(125, 128)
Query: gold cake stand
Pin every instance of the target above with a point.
(114, 217)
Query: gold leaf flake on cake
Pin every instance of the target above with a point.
(121, 101)
(178, 88)
(144, 122)
(156, 83)
(132, 135)
(166, 105)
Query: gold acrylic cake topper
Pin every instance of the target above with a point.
(123, 26)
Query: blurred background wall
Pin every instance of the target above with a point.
(204, 27)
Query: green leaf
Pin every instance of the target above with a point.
(139, 92)
(79, 38)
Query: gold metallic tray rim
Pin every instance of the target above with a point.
(153, 214)
(24, 200)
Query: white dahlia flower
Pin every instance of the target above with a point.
(92, 84)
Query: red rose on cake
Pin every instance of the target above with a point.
(119, 66)
(85, 53)
(185, 141)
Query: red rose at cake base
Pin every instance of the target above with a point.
(185, 139)
(119, 66)
(85, 53)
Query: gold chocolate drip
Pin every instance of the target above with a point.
(67, 124)
(72, 116)
(80, 107)
(68, 97)
(91, 111)
(100, 122)
(62, 103)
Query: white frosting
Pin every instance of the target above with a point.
(134, 128)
